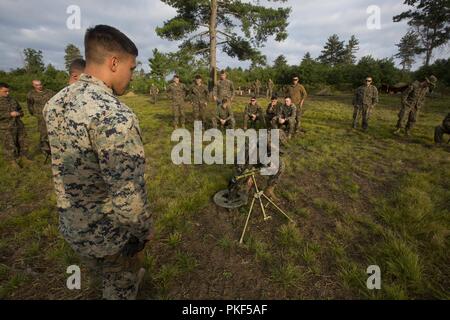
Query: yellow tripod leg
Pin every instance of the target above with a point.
(246, 222)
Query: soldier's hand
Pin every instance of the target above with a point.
(14, 114)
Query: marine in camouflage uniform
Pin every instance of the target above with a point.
(366, 97)
(177, 93)
(12, 130)
(298, 94)
(413, 100)
(199, 97)
(36, 100)
(442, 129)
(154, 91)
(253, 114)
(272, 110)
(257, 87)
(224, 113)
(224, 89)
(98, 166)
(286, 114)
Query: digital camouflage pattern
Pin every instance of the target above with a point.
(154, 91)
(98, 168)
(224, 113)
(177, 94)
(287, 113)
(12, 129)
(444, 128)
(36, 102)
(224, 89)
(270, 86)
(365, 99)
(413, 99)
(253, 110)
(272, 112)
(199, 97)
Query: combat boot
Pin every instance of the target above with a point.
(24, 162)
(398, 131)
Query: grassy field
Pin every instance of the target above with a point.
(358, 198)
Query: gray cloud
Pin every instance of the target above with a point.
(43, 27)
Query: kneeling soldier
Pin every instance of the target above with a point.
(253, 114)
(224, 116)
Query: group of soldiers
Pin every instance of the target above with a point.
(285, 115)
(413, 100)
(12, 127)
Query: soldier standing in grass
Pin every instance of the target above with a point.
(199, 98)
(441, 130)
(12, 129)
(366, 97)
(298, 94)
(224, 116)
(36, 100)
(269, 88)
(413, 100)
(177, 93)
(154, 91)
(257, 87)
(224, 89)
(98, 165)
(253, 114)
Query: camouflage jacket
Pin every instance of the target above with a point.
(366, 96)
(224, 89)
(270, 84)
(273, 111)
(224, 113)
(177, 92)
(415, 95)
(297, 93)
(153, 90)
(286, 112)
(98, 168)
(446, 122)
(8, 105)
(37, 100)
(199, 94)
(252, 109)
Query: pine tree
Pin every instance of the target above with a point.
(350, 50)
(333, 52)
(407, 49)
(34, 61)
(239, 27)
(72, 53)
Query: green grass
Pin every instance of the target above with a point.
(358, 199)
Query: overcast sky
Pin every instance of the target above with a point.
(42, 26)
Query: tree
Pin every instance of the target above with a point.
(407, 49)
(307, 58)
(333, 52)
(239, 27)
(350, 50)
(159, 66)
(72, 53)
(431, 21)
(34, 62)
(280, 62)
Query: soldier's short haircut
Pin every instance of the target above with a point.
(198, 77)
(102, 39)
(4, 85)
(223, 72)
(176, 76)
(274, 97)
(77, 65)
(288, 97)
(224, 100)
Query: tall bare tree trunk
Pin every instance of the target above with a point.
(213, 43)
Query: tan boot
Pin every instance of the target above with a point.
(397, 131)
(269, 192)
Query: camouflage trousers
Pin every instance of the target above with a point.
(43, 136)
(178, 113)
(439, 133)
(363, 112)
(249, 123)
(13, 141)
(199, 111)
(407, 111)
(288, 126)
(153, 98)
(298, 118)
(230, 124)
(116, 276)
(269, 93)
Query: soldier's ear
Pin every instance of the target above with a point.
(113, 63)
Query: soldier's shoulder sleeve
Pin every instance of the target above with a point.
(116, 138)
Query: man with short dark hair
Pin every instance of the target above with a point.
(98, 165)
(36, 100)
(272, 110)
(12, 130)
(224, 116)
(285, 118)
(253, 114)
(76, 69)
